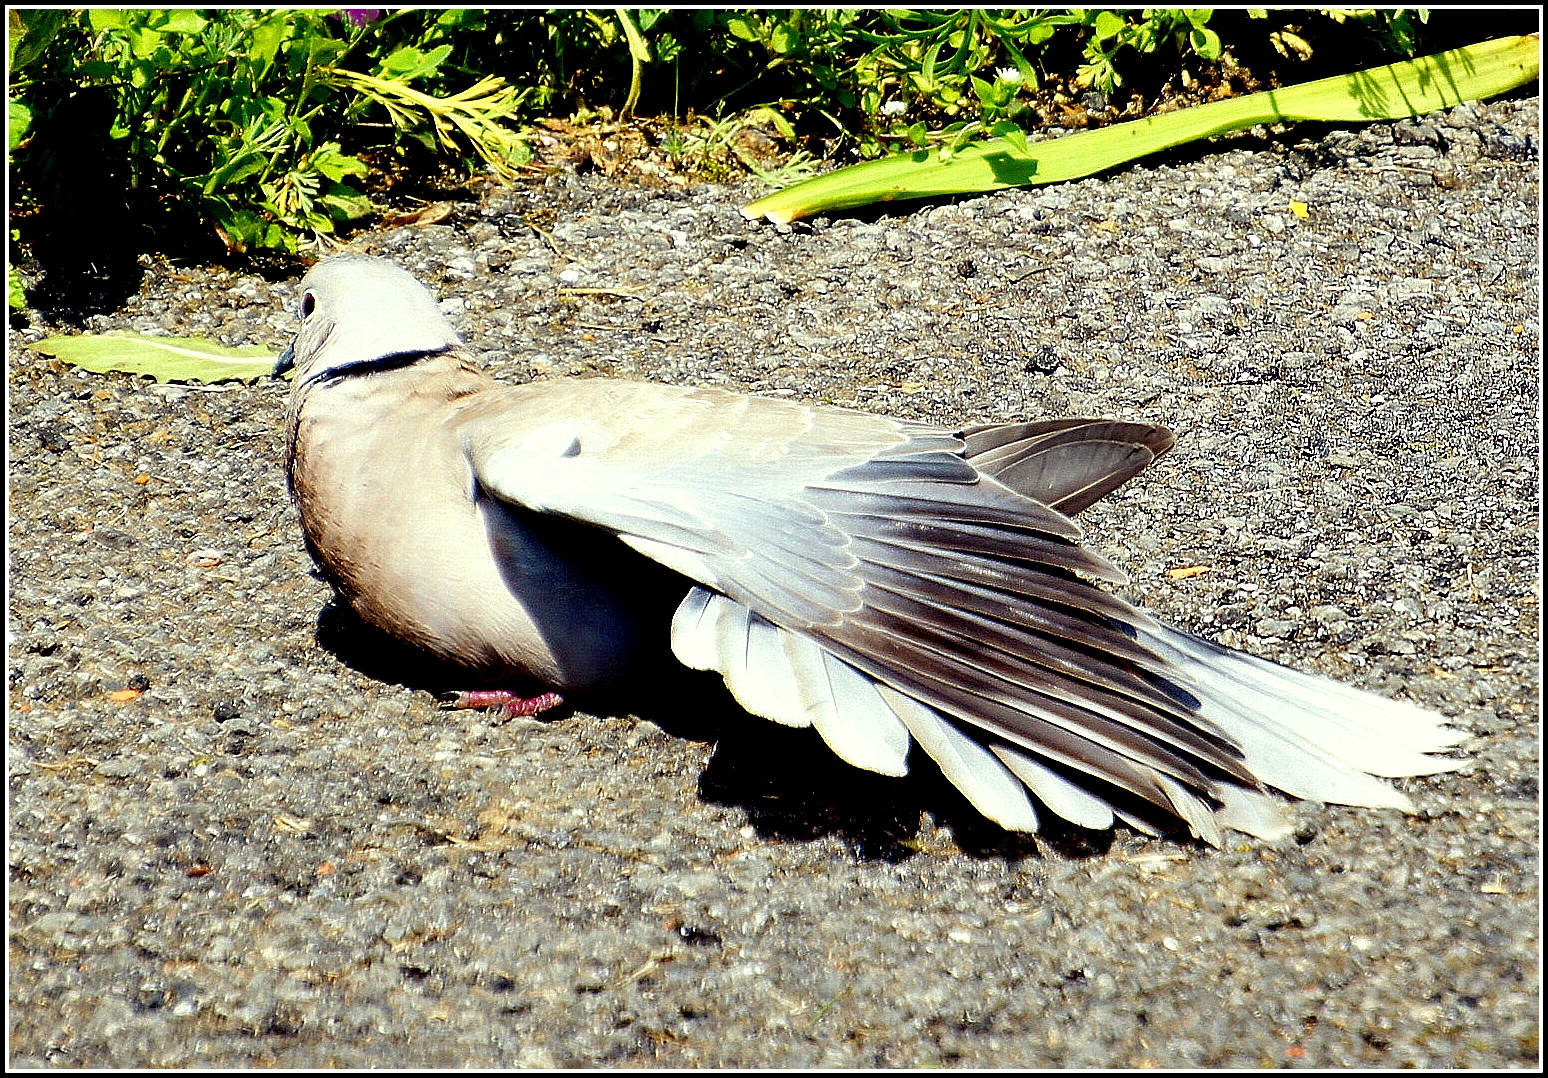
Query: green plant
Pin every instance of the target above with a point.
(928, 77)
(24, 40)
(15, 288)
(930, 61)
(475, 113)
(1409, 88)
(1186, 29)
(246, 114)
(1395, 30)
(275, 124)
(711, 148)
(207, 107)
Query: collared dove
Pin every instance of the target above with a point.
(883, 580)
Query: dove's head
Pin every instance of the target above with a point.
(357, 312)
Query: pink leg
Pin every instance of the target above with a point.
(508, 704)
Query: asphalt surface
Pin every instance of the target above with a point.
(243, 832)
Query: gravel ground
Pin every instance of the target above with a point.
(283, 853)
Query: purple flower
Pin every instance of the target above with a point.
(360, 16)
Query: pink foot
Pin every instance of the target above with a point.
(506, 703)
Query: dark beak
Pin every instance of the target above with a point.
(286, 362)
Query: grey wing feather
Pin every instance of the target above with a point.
(874, 578)
(988, 784)
(847, 710)
(1064, 797)
(785, 676)
(1192, 808)
(711, 632)
(1067, 464)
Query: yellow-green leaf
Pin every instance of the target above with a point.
(166, 359)
(1410, 88)
(741, 26)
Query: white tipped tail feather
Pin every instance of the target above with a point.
(882, 580)
(1302, 735)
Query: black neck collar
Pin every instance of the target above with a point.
(391, 362)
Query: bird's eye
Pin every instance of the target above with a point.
(308, 305)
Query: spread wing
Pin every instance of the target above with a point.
(883, 581)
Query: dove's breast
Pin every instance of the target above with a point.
(395, 518)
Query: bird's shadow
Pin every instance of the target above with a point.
(790, 784)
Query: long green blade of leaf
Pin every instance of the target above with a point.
(166, 359)
(1410, 88)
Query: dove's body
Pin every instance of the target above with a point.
(880, 579)
(540, 606)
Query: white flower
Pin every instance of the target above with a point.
(894, 108)
(1009, 75)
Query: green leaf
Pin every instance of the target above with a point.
(102, 19)
(517, 153)
(421, 136)
(461, 19)
(246, 229)
(15, 290)
(1012, 134)
(766, 115)
(1395, 91)
(265, 41)
(18, 122)
(1040, 31)
(144, 43)
(347, 203)
(1206, 43)
(1028, 72)
(331, 163)
(667, 49)
(322, 51)
(166, 359)
(1100, 74)
(399, 61)
(408, 63)
(741, 26)
(1108, 25)
(184, 21)
(29, 32)
(785, 39)
(927, 67)
(234, 172)
(433, 60)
